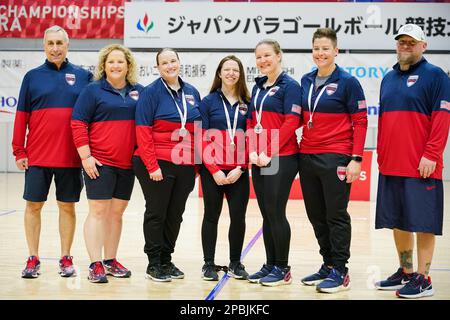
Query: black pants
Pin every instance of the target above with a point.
(272, 192)
(326, 199)
(165, 202)
(237, 195)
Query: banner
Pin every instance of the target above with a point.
(82, 19)
(364, 26)
(199, 68)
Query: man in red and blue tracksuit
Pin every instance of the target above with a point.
(412, 133)
(47, 96)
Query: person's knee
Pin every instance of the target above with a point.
(66, 207)
(34, 207)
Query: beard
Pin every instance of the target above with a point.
(408, 59)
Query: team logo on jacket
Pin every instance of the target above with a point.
(190, 98)
(243, 109)
(331, 88)
(445, 105)
(134, 95)
(296, 109)
(273, 90)
(411, 80)
(341, 173)
(362, 104)
(70, 78)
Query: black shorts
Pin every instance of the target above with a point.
(68, 182)
(113, 182)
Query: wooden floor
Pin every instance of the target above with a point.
(373, 255)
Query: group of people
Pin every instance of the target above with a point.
(110, 130)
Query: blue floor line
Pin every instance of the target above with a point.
(214, 292)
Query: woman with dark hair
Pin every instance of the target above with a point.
(164, 161)
(224, 116)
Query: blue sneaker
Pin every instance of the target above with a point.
(277, 277)
(32, 269)
(418, 287)
(265, 270)
(395, 281)
(318, 277)
(335, 282)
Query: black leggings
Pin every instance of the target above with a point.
(326, 199)
(165, 202)
(272, 192)
(237, 195)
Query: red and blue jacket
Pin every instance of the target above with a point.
(104, 120)
(217, 154)
(340, 118)
(46, 100)
(414, 119)
(280, 117)
(158, 123)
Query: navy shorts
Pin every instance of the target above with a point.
(68, 182)
(410, 204)
(113, 182)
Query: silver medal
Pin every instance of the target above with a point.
(258, 128)
(183, 132)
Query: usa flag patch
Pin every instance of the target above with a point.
(296, 109)
(362, 104)
(445, 105)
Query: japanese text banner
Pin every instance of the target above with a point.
(241, 25)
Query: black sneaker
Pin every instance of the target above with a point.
(157, 273)
(173, 271)
(237, 271)
(209, 272)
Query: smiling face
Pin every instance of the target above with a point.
(229, 73)
(324, 53)
(116, 67)
(56, 47)
(409, 50)
(168, 65)
(267, 60)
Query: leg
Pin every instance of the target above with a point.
(94, 228)
(315, 205)
(404, 242)
(213, 201)
(32, 220)
(113, 227)
(67, 222)
(425, 249)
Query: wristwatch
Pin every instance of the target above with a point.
(357, 158)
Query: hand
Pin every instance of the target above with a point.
(353, 171)
(426, 167)
(22, 164)
(253, 157)
(90, 167)
(264, 160)
(234, 175)
(156, 175)
(220, 178)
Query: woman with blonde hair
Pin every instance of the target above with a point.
(103, 129)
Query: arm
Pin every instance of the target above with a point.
(20, 125)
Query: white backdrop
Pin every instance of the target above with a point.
(198, 69)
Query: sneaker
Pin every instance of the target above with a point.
(419, 286)
(116, 269)
(157, 273)
(318, 277)
(209, 272)
(335, 282)
(173, 271)
(265, 270)
(32, 269)
(237, 271)
(277, 277)
(395, 281)
(97, 273)
(66, 268)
